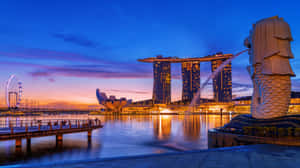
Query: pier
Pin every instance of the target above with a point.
(27, 129)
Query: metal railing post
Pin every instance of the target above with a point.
(26, 128)
(39, 128)
(50, 125)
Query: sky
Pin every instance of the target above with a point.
(63, 50)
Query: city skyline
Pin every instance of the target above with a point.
(70, 53)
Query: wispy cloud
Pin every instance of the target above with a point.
(51, 79)
(241, 87)
(77, 65)
(72, 58)
(84, 71)
(238, 85)
(129, 91)
(46, 54)
(88, 72)
(76, 39)
(83, 66)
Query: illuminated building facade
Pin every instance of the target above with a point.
(242, 104)
(191, 77)
(112, 103)
(222, 82)
(162, 82)
(190, 80)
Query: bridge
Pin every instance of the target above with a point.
(27, 129)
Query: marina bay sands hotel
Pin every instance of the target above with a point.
(190, 69)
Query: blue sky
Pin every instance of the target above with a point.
(64, 50)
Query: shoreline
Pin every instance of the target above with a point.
(113, 114)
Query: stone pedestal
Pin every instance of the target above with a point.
(246, 130)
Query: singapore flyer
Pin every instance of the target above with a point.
(13, 92)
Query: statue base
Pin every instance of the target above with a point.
(245, 130)
(245, 120)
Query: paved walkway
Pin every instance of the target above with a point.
(252, 156)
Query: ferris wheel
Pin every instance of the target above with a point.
(13, 92)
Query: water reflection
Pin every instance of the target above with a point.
(191, 127)
(45, 149)
(162, 127)
(122, 135)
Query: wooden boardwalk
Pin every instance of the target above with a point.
(27, 129)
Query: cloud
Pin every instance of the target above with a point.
(79, 65)
(51, 79)
(75, 59)
(85, 71)
(45, 54)
(129, 91)
(40, 73)
(94, 68)
(21, 64)
(241, 87)
(85, 66)
(76, 39)
(89, 72)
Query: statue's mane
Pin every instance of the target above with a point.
(269, 19)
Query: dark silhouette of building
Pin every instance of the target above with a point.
(190, 80)
(222, 82)
(162, 82)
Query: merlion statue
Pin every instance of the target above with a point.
(270, 69)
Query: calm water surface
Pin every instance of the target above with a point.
(122, 135)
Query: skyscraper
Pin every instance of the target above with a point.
(190, 80)
(222, 82)
(162, 82)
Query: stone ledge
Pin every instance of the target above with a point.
(218, 139)
(242, 156)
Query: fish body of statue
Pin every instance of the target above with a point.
(270, 70)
